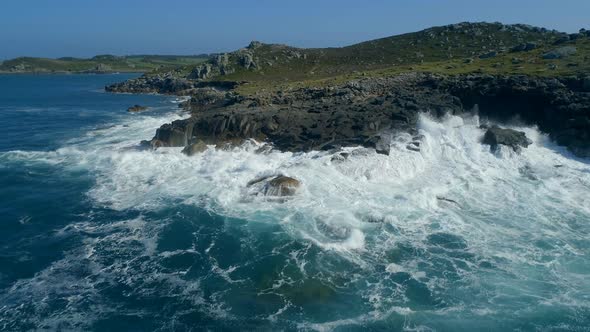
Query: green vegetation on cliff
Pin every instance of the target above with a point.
(492, 48)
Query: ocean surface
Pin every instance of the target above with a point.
(96, 234)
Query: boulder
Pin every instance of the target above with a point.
(172, 134)
(194, 148)
(221, 60)
(254, 45)
(560, 53)
(562, 39)
(488, 55)
(495, 136)
(524, 47)
(137, 108)
(383, 146)
(279, 185)
(247, 61)
(201, 72)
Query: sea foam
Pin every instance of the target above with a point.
(454, 208)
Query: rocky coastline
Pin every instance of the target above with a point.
(367, 111)
(363, 94)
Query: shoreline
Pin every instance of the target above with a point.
(367, 112)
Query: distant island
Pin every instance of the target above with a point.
(100, 64)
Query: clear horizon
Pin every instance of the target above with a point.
(83, 29)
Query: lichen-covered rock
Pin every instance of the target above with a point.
(560, 53)
(247, 61)
(201, 72)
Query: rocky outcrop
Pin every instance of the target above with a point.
(208, 98)
(194, 148)
(558, 106)
(524, 47)
(357, 113)
(496, 136)
(559, 53)
(227, 63)
(367, 112)
(164, 84)
(137, 108)
(279, 185)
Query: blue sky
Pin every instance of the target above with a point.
(55, 28)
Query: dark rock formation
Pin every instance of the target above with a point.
(137, 108)
(356, 113)
(194, 148)
(276, 185)
(364, 112)
(164, 84)
(559, 107)
(208, 98)
(495, 136)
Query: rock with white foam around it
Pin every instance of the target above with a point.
(279, 185)
(496, 136)
(194, 148)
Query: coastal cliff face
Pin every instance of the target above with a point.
(362, 112)
(560, 107)
(355, 113)
(317, 99)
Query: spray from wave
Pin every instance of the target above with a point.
(449, 230)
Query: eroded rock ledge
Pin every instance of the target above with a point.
(358, 112)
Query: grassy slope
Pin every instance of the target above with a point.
(117, 64)
(450, 49)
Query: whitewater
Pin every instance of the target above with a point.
(453, 237)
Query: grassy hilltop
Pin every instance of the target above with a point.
(100, 64)
(492, 48)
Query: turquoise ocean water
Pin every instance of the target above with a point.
(96, 234)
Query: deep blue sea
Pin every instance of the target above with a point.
(99, 235)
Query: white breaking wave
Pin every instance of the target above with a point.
(527, 214)
(451, 174)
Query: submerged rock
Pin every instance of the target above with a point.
(383, 146)
(413, 146)
(495, 136)
(340, 157)
(194, 148)
(137, 108)
(280, 185)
